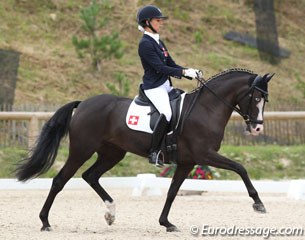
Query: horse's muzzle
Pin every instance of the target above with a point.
(254, 129)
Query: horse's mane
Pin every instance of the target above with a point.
(223, 73)
(230, 71)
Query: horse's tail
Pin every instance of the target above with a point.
(43, 155)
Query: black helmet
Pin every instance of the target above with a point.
(147, 13)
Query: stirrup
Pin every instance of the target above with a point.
(154, 158)
(160, 162)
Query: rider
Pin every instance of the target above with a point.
(158, 68)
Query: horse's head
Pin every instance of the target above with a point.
(253, 102)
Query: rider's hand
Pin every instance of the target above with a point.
(192, 73)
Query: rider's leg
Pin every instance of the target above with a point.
(160, 99)
(160, 130)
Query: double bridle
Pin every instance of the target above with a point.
(247, 116)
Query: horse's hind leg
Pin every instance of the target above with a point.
(59, 181)
(104, 162)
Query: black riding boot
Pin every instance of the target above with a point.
(157, 137)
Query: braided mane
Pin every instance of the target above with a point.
(229, 71)
(223, 73)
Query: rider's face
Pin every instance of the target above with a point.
(157, 23)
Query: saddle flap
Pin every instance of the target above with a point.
(142, 115)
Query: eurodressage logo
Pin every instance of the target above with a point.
(133, 120)
(265, 232)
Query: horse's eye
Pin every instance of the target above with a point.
(257, 99)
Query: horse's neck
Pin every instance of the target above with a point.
(225, 92)
(228, 87)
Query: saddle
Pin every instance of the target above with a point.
(142, 116)
(175, 101)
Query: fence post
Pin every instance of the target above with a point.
(33, 131)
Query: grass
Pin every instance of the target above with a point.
(216, 59)
(130, 166)
(267, 162)
(261, 162)
(51, 73)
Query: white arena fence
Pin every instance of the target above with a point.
(284, 128)
(149, 184)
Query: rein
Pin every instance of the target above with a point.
(246, 117)
(203, 84)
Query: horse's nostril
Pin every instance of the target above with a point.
(258, 129)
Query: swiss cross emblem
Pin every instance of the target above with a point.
(133, 120)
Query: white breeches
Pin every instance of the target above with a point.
(159, 97)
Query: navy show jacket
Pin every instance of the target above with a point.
(157, 63)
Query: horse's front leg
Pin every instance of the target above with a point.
(218, 161)
(180, 174)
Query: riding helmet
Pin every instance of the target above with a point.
(147, 13)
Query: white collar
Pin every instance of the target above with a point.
(155, 36)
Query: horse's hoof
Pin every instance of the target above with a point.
(259, 207)
(109, 218)
(46, 229)
(172, 229)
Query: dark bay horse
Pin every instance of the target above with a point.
(98, 126)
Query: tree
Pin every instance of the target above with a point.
(9, 63)
(122, 85)
(266, 31)
(97, 47)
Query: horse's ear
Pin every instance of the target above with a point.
(264, 77)
(269, 76)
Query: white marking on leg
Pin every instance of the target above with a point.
(110, 214)
(111, 207)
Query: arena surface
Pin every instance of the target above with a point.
(79, 214)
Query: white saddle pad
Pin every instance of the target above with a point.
(138, 117)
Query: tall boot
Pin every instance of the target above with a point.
(160, 130)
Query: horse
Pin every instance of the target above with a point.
(98, 126)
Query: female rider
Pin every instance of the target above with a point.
(158, 68)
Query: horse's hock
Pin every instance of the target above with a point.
(9, 62)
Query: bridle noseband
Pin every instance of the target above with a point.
(247, 118)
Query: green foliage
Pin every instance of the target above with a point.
(122, 85)
(220, 61)
(301, 84)
(180, 9)
(198, 37)
(94, 19)
(130, 166)
(261, 162)
(8, 160)
(266, 162)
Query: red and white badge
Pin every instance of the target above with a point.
(133, 120)
(165, 52)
